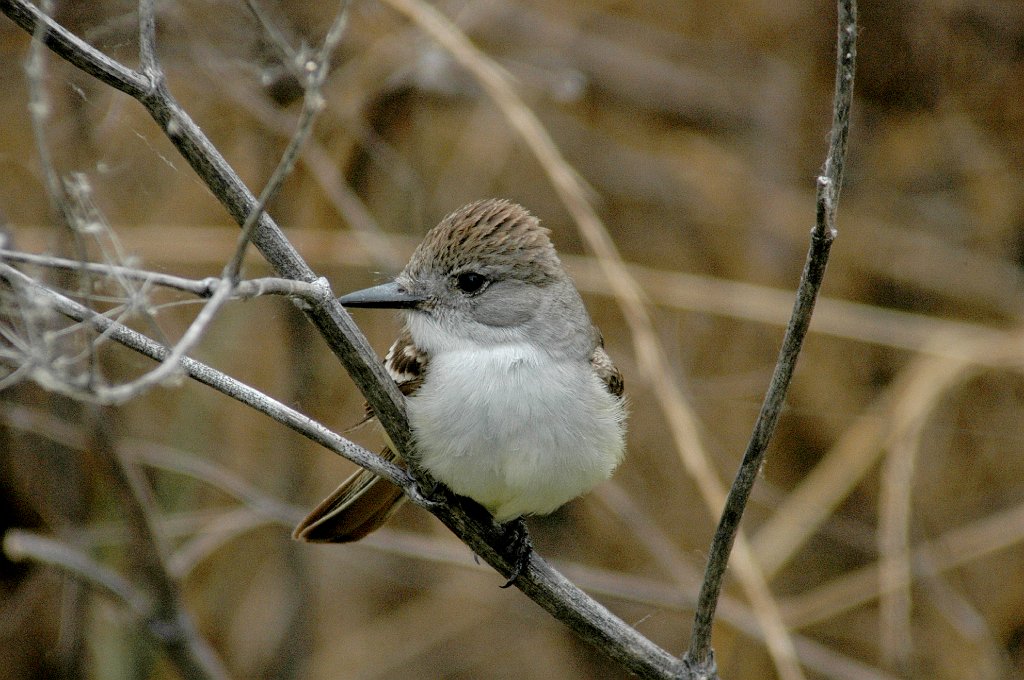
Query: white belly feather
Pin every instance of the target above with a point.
(515, 430)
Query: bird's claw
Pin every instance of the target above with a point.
(519, 548)
(427, 500)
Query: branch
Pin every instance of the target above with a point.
(76, 51)
(170, 621)
(470, 522)
(314, 71)
(700, 654)
(19, 545)
(168, 628)
(652, 359)
(204, 288)
(570, 605)
(212, 378)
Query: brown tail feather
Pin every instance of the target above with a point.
(359, 506)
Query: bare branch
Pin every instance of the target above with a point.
(168, 627)
(315, 72)
(76, 51)
(148, 59)
(469, 521)
(204, 288)
(277, 37)
(19, 545)
(700, 655)
(39, 114)
(215, 379)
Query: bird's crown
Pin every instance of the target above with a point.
(495, 236)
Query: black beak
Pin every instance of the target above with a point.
(384, 296)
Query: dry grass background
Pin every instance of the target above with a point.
(890, 514)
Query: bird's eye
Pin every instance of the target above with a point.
(470, 282)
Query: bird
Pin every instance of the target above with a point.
(511, 397)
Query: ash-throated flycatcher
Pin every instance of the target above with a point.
(512, 399)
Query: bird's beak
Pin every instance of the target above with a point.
(385, 296)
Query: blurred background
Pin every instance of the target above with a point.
(889, 516)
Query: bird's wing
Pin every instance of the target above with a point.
(364, 501)
(606, 371)
(406, 363)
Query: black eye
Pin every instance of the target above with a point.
(470, 282)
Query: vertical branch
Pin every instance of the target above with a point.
(150, 64)
(39, 113)
(191, 654)
(700, 655)
(313, 72)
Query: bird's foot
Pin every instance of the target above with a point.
(427, 498)
(519, 548)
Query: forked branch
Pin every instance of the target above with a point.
(540, 582)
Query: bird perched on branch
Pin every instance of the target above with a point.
(512, 399)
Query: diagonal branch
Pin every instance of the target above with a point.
(470, 522)
(824, 232)
(212, 378)
(76, 51)
(540, 581)
(652, 359)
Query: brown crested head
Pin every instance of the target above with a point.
(495, 237)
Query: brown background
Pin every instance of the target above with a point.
(700, 128)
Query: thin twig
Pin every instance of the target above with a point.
(168, 625)
(470, 522)
(315, 71)
(76, 51)
(180, 639)
(56, 190)
(215, 379)
(650, 354)
(278, 39)
(824, 232)
(20, 545)
(204, 288)
(321, 165)
(148, 58)
(202, 544)
(39, 114)
(895, 507)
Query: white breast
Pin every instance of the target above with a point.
(515, 430)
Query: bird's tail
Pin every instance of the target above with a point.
(359, 506)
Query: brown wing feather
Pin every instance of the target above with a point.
(406, 364)
(364, 501)
(606, 371)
